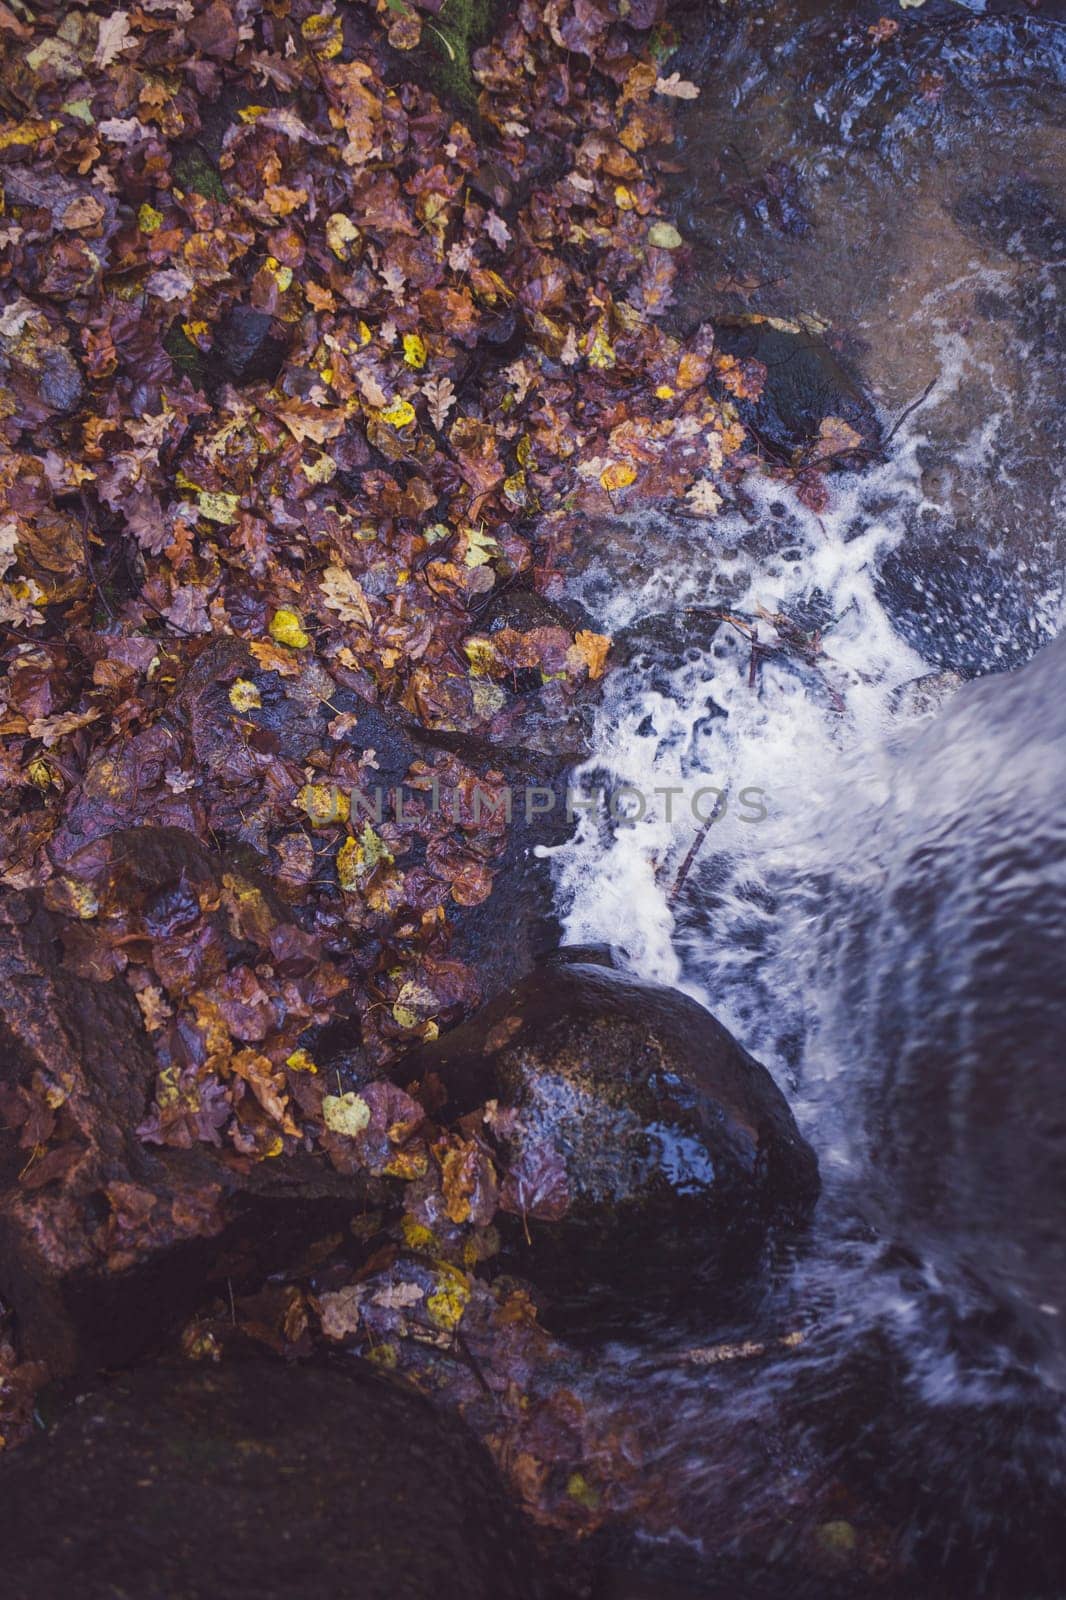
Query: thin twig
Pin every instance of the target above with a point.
(901, 419)
(694, 850)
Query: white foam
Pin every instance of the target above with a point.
(817, 739)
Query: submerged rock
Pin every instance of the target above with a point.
(805, 383)
(260, 1480)
(644, 1153)
(961, 605)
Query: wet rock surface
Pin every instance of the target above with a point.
(805, 383)
(259, 1480)
(892, 179)
(647, 1156)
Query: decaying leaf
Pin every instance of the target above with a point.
(347, 1114)
(344, 595)
(680, 89)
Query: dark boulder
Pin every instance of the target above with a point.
(645, 1154)
(1019, 217)
(960, 604)
(805, 383)
(259, 1481)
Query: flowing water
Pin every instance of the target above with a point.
(877, 909)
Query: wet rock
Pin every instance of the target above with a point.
(260, 1480)
(104, 1237)
(924, 696)
(35, 357)
(61, 384)
(1020, 218)
(250, 345)
(517, 926)
(805, 382)
(646, 1156)
(961, 605)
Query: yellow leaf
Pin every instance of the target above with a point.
(40, 774)
(300, 1061)
(704, 498)
(680, 88)
(349, 865)
(618, 475)
(282, 276)
(481, 656)
(400, 414)
(600, 350)
(414, 350)
(149, 220)
(579, 1488)
(448, 1303)
(357, 858)
(417, 1002)
(591, 649)
(323, 469)
(282, 200)
(347, 1114)
(244, 696)
(26, 133)
(218, 507)
(324, 803)
(416, 1235)
(480, 547)
(664, 236)
(341, 234)
(286, 627)
(692, 369)
(82, 896)
(325, 34)
(344, 594)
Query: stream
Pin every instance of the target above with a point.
(879, 730)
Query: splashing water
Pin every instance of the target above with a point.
(808, 738)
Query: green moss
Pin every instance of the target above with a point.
(184, 354)
(193, 171)
(450, 39)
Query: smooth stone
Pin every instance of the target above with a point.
(646, 1156)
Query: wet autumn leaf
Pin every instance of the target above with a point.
(347, 1114)
(286, 626)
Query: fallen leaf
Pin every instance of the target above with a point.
(286, 627)
(681, 89)
(113, 38)
(344, 595)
